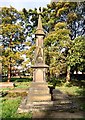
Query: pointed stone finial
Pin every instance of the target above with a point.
(39, 30)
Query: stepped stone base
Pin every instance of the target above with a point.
(39, 101)
(38, 95)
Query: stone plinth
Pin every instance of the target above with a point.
(38, 93)
(39, 72)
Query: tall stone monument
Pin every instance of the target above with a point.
(39, 98)
(38, 91)
(40, 66)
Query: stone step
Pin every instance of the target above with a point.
(39, 88)
(62, 102)
(48, 107)
(54, 103)
(39, 83)
(39, 97)
(35, 91)
(58, 95)
(59, 98)
(51, 104)
(43, 103)
(53, 108)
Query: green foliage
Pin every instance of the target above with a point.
(56, 41)
(12, 35)
(72, 13)
(77, 53)
(60, 20)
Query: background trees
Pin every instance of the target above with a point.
(12, 38)
(58, 43)
(63, 23)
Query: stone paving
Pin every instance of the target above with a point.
(62, 106)
(54, 114)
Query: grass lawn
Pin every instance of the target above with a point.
(9, 103)
(10, 106)
(72, 91)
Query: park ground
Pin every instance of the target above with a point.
(10, 99)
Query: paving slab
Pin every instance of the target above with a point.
(54, 114)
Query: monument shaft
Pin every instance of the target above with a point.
(39, 66)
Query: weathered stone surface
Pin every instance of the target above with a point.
(39, 91)
(39, 88)
(38, 94)
(42, 97)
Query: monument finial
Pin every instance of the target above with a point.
(39, 30)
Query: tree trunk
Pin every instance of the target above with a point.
(68, 74)
(9, 73)
(9, 66)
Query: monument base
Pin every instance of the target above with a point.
(38, 94)
(61, 102)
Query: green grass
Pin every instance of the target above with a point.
(18, 85)
(22, 85)
(74, 90)
(17, 79)
(10, 106)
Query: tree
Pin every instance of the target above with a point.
(73, 13)
(57, 43)
(77, 54)
(12, 38)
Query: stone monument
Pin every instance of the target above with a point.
(38, 91)
(40, 66)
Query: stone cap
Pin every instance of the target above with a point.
(40, 66)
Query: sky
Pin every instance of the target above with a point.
(19, 4)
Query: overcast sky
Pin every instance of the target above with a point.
(19, 4)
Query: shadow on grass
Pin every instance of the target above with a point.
(17, 79)
(22, 118)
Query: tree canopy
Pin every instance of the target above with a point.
(63, 23)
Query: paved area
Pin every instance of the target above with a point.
(65, 108)
(54, 114)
